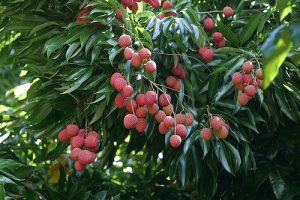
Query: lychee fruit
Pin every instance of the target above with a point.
(206, 134)
(160, 116)
(241, 86)
(141, 125)
(177, 69)
(144, 53)
(130, 121)
(202, 50)
(94, 134)
(150, 66)
(182, 74)
(74, 153)
(208, 55)
(161, 16)
(222, 133)
(247, 78)
(82, 132)
(120, 100)
(79, 167)
(171, 81)
(259, 74)
(72, 130)
(155, 3)
(209, 24)
(128, 52)
(131, 105)
(86, 157)
(118, 14)
(247, 67)
(91, 141)
(164, 99)
(140, 99)
(167, 5)
(124, 40)
(180, 118)
(136, 60)
(168, 109)
(94, 149)
(220, 43)
(127, 90)
(180, 130)
(216, 122)
(163, 129)
(175, 141)
(228, 11)
(63, 136)
(114, 77)
(153, 109)
(169, 121)
(141, 112)
(250, 90)
(243, 99)
(127, 3)
(237, 78)
(177, 86)
(217, 36)
(150, 97)
(260, 83)
(77, 141)
(120, 83)
(189, 119)
(134, 7)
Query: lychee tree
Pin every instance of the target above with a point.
(179, 82)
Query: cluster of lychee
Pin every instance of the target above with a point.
(218, 127)
(172, 81)
(134, 6)
(167, 5)
(207, 54)
(247, 82)
(84, 145)
(138, 108)
(137, 58)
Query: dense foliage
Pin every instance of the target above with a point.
(68, 64)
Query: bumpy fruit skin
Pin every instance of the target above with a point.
(167, 5)
(209, 24)
(259, 83)
(141, 125)
(74, 153)
(243, 99)
(163, 129)
(208, 55)
(127, 2)
(128, 52)
(118, 14)
(150, 67)
(247, 67)
(164, 99)
(140, 99)
(206, 134)
(130, 121)
(144, 53)
(169, 121)
(170, 81)
(221, 43)
(168, 109)
(155, 3)
(228, 11)
(160, 116)
(150, 97)
(175, 141)
(153, 109)
(127, 90)
(131, 105)
(94, 149)
(189, 119)
(180, 118)
(124, 41)
(180, 130)
(82, 132)
(222, 133)
(241, 86)
(216, 122)
(182, 74)
(202, 50)
(217, 36)
(79, 167)
(247, 78)
(63, 136)
(237, 78)
(86, 157)
(141, 112)
(134, 7)
(77, 141)
(136, 60)
(91, 141)
(177, 86)
(259, 74)
(250, 90)
(114, 77)
(94, 134)
(177, 69)
(120, 100)
(120, 83)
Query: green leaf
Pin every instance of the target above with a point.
(229, 35)
(284, 8)
(6, 180)
(99, 112)
(6, 163)
(274, 53)
(249, 29)
(2, 192)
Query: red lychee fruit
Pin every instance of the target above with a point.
(247, 67)
(237, 78)
(120, 83)
(124, 40)
(202, 50)
(161, 16)
(222, 133)
(144, 53)
(170, 81)
(74, 153)
(140, 99)
(94, 134)
(79, 167)
(177, 69)
(164, 99)
(72, 130)
(168, 109)
(114, 77)
(136, 60)
(120, 100)
(260, 83)
(208, 55)
(130, 121)
(128, 52)
(241, 86)
(250, 90)
(77, 141)
(217, 36)
(206, 134)
(127, 3)
(63, 136)
(177, 86)
(82, 132)
(141, 112)
(175, 141)
(94, 149)
(259, 74)
(220, 43)
(226, 126)
(209, 24)
(127, 90)
(91, 141)
(150, 67)
(243, 99)
(216, 122)
(189, 119)
(134, 7)
(150, 97)
(169, 121)
(86, 157)
(160, 116)
(155, 3)
(163, 129)
(141, 125)
(180, 118)
(247, 78)
(182, 74)
(228, 11)
(167, 5)
(153, 109)
(254, 83)
(131, 105)
(118, 14)
(180, 130)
